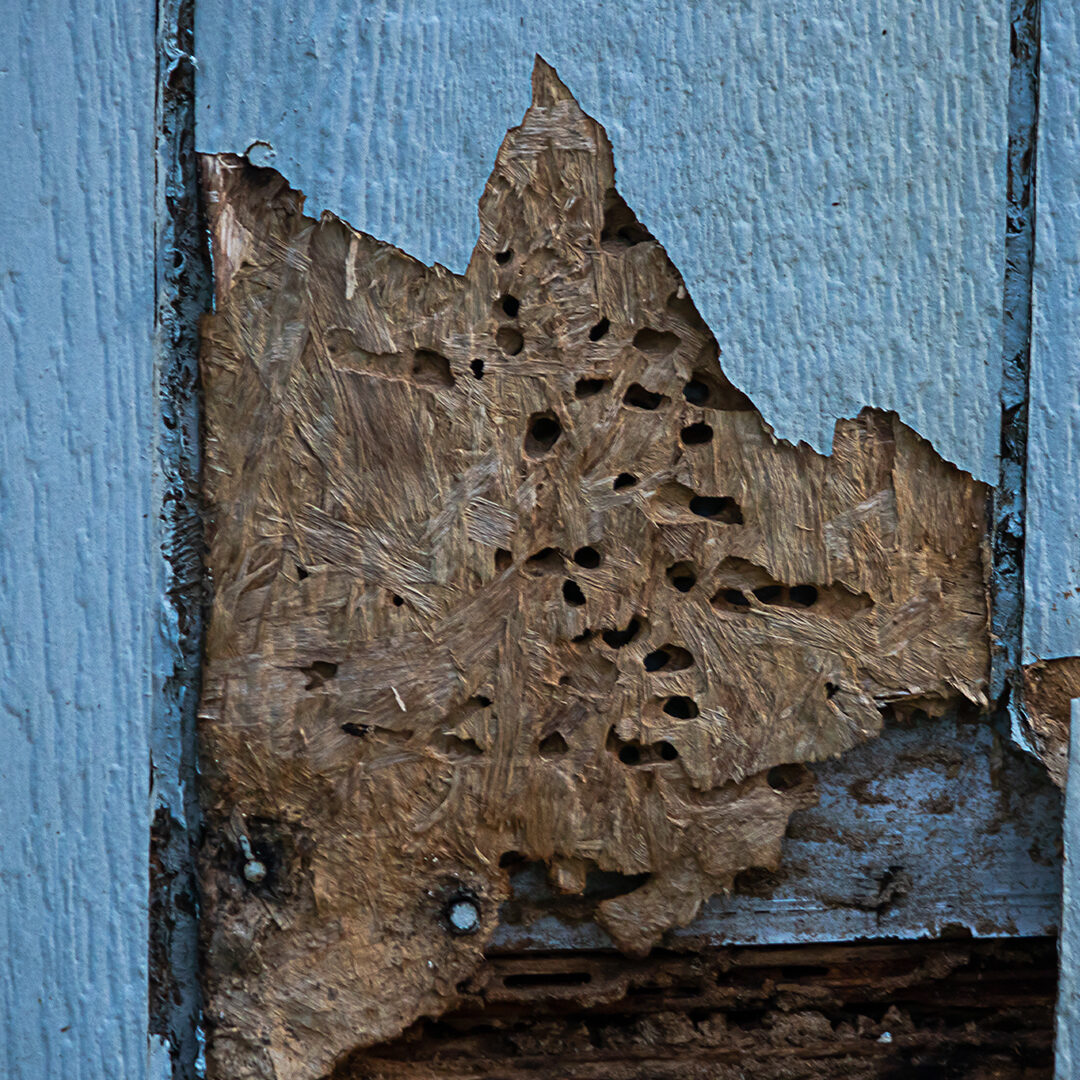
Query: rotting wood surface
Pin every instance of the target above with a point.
(964, 1010)
(503, 563)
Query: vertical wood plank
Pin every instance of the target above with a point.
(1067, 1043)
(1052, 561)
(76, 581)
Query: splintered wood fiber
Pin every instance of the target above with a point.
(504, 564)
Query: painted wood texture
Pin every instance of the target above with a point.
(1052, 562)
(77, 597)
(829, 177)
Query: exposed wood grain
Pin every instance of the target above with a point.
(503, 563)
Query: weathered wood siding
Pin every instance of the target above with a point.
(78, 595)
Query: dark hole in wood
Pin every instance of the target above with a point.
(656, 342)
(510, 305)
(696, 392)
(526, 979)
(509, 340)
(639, 398)
(503, 257)
(477, 368)
(830, 690)
(630, 755)
(785, 777)
(621, 228)
(479, 701)
(668, 751)
(511, 858)
(696, 434)
(584, 636)
(717, 508)
(553, 745)
(431, 369)
(543, 434)
(735, 598)
(681, 707)
(588, 557)
(301, 572)
(546, 560)
(503, 559)
(616, 639)
(682, 576)
(359, 730)
(396, 600)
(668, 658)
(572, 593)
(585, 388)
(656, 660)
(711, 390)
(624, 480)
(769, 594)
(318, 673)
(599, 330)
(803, 595)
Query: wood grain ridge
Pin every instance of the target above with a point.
(503, 563)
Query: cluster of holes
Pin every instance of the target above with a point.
(631, 752)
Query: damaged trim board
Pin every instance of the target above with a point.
(508, 571)
(828, 177)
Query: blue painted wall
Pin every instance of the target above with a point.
(827, 175)
(1052, 601)
(77, 592)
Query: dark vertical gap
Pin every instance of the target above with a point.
(1011, 496)
(182, 295)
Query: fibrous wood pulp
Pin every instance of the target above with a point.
(504, 564)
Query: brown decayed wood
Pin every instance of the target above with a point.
(963, 1010)
(503, 563)
(1049, 687)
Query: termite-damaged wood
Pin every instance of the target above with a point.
(967, 1010)
(503, 563)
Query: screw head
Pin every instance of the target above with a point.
(462, 915)
(254, 871)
